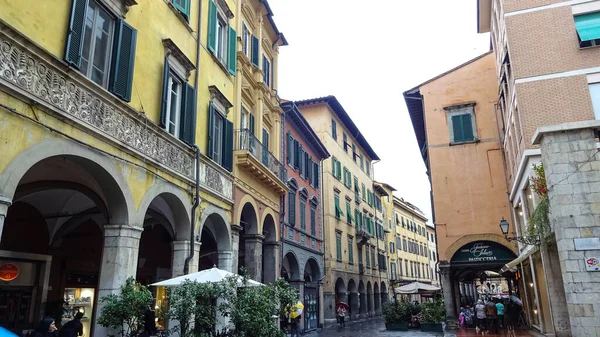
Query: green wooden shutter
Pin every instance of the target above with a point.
(313, 222)
(339, 170)
(317, 177)
(183, 6)
(165, 95)
(296, 154)
(228, 146)
(212, 26)
(231, 51)
(338, 247)
(290, 145)
(350, 251)
(457, 128)
(251, 124)
(467, 127)
(255, 51)
(211, 120)
(292, 208)
(74, 45)
(336, 204)
(121, 79)
(187, 131)
(302, 214)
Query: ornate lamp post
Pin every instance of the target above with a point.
(504, 225)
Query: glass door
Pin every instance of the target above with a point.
(311, 308)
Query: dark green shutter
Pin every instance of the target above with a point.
(316, 175)
(212, 26)
(296, 154)
(165, 95)
(467, 126)
(188, 116)
(228, 146)
(183, 6)
(251, 124)
(265, 70)
(211, 120)
(292, 208)
(231, 51)
(74, 45)
(121, 79)
(255, 51)
(457, 128)
(290, 145)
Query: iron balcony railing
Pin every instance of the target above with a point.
(248, 142)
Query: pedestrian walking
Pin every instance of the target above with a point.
(480, 323)
(500, 311)
(73, 328)
(46, 328)
(341, 313)
(492, 316)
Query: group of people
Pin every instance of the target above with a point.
(490, 315)
(47, 328)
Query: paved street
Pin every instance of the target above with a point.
(371, 328)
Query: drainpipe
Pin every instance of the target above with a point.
(322, 221)
(186, 265)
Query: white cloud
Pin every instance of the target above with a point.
(367, 53)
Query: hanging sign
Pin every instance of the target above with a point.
(483, 252)
(8, 272)
(592, 263)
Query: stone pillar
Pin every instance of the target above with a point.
(4, 204)
(181, 250)
(270, 266)
(253, 256)
(329, 307)
(300, 286)
(362, 305)
(456, 292)
(449, 303)
(235, 247)
(572, 168)
(354, 307)
(119, 262)
(226, 260)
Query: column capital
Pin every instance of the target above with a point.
(272, 243)
(236, 229)
(184, 244)
(4, 205)
(123, 231)
(254, 237)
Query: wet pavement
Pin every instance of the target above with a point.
(369, 328)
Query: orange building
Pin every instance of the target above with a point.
(454, 120)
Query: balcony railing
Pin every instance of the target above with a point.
(362, 235)
(246, 141)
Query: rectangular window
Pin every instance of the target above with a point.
(595, 95)
(362, 167)
(406, 267)
(354, 154)
(364, 194)
(292, 207)
(393, 270)
(338, 246)
(245, 40)
(302, 214)
(404, 248)
(97, 42)
(218, 138)
(368, 167)
(392, 247)
(173, 110)
(373, 258)
(338, 209)
(461, 123)
(315, 181)
(333, 129)
(313, 221)
(348, 213)
(345, 139)
(588, 29)
(368, 257)
(350, 251)
(266, 71)
(222, 38)
(390, 223)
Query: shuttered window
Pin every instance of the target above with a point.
(350, 251)
(266, 68)
(338, 246)
(220, 138)
(338, 209)
(222, 38)
(302, 214)
(255, 51)
(183, 6)
(292, 207)
(313, 220)
(102, 47)
(178, 109)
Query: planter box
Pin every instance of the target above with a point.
(432, 327)
(396, 326)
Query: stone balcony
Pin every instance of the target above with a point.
(32, 74)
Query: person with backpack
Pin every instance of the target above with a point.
(73, 328)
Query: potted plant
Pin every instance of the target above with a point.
(396, 315)
(433, 316)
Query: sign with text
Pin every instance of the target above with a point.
(483, 252)
(592, 263)
(8, 272)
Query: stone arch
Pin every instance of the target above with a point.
(313, 265)
(292, 267)
(178, 202)
(217, 224)
(369, 297)
(246, 200)
(340, 291)
(269, 212)
(454, 247)
(118, 196)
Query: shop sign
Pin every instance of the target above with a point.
(8, 272)
(483, 252)
(592, 263)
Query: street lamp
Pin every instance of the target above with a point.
(504, 225)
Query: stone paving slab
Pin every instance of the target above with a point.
(369, 328)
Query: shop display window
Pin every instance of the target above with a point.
(79, 300)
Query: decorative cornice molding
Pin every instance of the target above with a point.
(179, 56)
(36, 75)
(216, 94)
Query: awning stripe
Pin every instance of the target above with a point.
(588, 26)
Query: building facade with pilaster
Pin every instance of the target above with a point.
(114, 163)
(351, 273)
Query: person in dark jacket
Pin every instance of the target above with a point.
(45, 328)
(73, 328)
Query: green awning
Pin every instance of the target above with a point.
(588, 26)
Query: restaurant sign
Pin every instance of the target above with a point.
(8, 272)
(483, 252)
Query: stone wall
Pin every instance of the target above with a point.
(572, 166)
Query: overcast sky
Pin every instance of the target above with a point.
(367, 53)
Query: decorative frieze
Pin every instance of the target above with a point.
(37, 75)
(213, 179)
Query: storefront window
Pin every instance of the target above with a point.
(161, 307)
(79, 300)
(532, 305)
(519, 216)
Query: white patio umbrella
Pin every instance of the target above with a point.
(204, 276)
(416, 288)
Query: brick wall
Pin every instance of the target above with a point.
(515, 5)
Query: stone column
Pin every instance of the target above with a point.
(449, 302)
(226, 260)
(4, 204)
(329, 307)
(181, 250)
(253, 256)
(119, 262)
(354, 307)
(456, 291)
(235, 247)
(572, 168)
(363, 308)
(298, 284)
(270, 262)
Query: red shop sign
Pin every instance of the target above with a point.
(8, 272)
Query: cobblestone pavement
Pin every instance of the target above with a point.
(370, 328)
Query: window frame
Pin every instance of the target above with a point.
(350, 250)
(458, 110)
(333, 129)
(108, 52)
(338, 246)
(174, 78)
(219, 118)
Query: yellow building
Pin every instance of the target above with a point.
(116, 133)
(351, 260)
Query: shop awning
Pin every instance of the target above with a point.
(524, 254)
(588, 26)
(416, 288)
